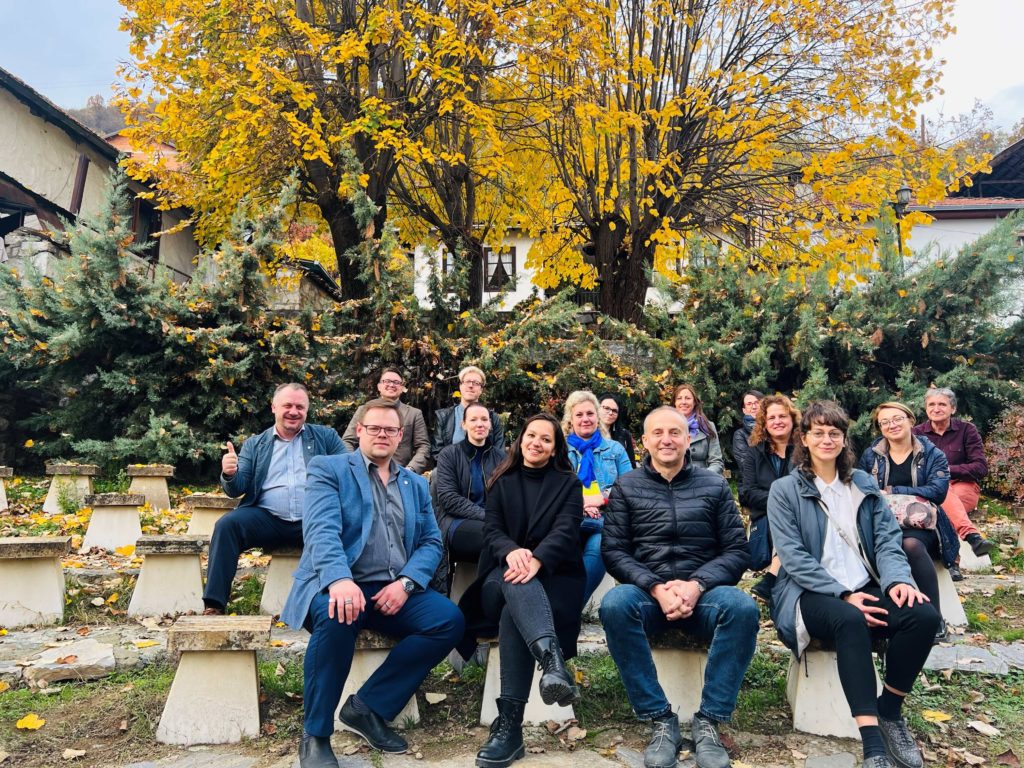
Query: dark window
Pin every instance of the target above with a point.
(499, 268)
(145, 223)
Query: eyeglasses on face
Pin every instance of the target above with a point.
(375, 429)
(391, 382)
(471, 383)
(818, 436)
(609, 409)
(894, 421)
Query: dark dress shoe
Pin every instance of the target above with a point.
(955, 573)
(316, 752)
(373, 728)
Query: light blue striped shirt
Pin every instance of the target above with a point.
(284, 491)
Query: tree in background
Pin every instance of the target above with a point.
(103, 118)
(249, 91)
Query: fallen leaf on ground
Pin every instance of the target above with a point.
(3, 757)
(70, 659)
(83, 631)
(797, 755)
(973, 759)
(71, 754)
(126, 551)
(145, 643)
(576, 734)
(435, 698)
(30, 722)
(1006, 758)
(4, 685)
(934, 716)
(123, 726)
(984, 728)
(97, 602)
(269, 728)
(279, 670)
(535, 750)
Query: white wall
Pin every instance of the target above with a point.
(947, 235)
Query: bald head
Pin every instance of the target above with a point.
(666, 438)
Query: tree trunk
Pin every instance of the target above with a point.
(620, 271)
(475, 255)
(346, 234)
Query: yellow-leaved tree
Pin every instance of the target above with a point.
(248, 91)
(779, 127)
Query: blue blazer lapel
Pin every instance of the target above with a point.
(410, 507)
(362, 480)
(309, 444)
(264, 453)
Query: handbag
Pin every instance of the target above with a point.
(912, 512)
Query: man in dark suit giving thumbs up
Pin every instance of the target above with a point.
(270, 475)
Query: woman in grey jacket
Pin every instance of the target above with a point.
(705, 447)
(845, 578)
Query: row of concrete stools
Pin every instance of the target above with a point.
(170, 580)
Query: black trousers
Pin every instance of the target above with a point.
(465, 541)
(839, 625)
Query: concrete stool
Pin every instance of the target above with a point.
(465, 574)
(207, 509)
(5, 472)
(74, 480)
(816, 695)
(214, 698)
(171, 579)
(371, 650)
(33, 579)
(151, 481)
(594, 603)
(971, 562)
(283, 563)
(536, 713)
(680, 659)
(952, 608)
(114, 522)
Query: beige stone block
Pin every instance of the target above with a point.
(219, 633)
(214, 699)
(465, 574)
(5, 472)
(971, 562)
(536, 713)
(32, 592)
(681, 674)
(114, 522)
(952, 608)
(594, 603)
(154, 489)
(168, 583)
(207, 509)
(816, 696)
(75, 487)
(279, 580)
(371, 650)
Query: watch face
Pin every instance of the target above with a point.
(408, 584)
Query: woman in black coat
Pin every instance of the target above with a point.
(530, 581)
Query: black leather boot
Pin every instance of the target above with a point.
(505, 744)
(316, 752)
(556, 682)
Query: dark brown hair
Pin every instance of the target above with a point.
(758, 435)
(825, 413)
(514, 460)
(698, 409)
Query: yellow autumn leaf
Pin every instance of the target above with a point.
(277, 644)
(934, 716)
(145, 643)
(4, 685)
(30, 722)
(126, 551)
(29, 443)
(113, 598)
(982, 617)
(2, 631)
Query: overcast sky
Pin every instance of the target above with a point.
(70, 49)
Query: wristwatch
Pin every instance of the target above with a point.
(701, 585)
(407, 584)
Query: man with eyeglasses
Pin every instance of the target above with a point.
(413, 450)
(372, 546)
(269, 473)
(448, 426)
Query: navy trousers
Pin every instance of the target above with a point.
(240, 529)
(428, 627)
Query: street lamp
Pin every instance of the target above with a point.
(899, 208)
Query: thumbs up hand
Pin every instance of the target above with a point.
(229, 461)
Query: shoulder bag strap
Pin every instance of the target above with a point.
(858, 547)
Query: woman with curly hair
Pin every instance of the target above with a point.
(705, 448)
(772, 440)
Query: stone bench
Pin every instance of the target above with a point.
(952, 608)
(171, 579)
(206, 509)
(69, 480)
(594, 603)
(214, 698)
(5, 472)
(114, 522)
(151, 481)
(371, 650)
(816, 696)
(283, 563)
(465, 574)
(33, 579)
(536, 712)
(680, 659)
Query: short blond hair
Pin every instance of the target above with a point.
(473, 369)
(895, 406)
(574, 399)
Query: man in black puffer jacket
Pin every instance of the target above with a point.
(674, 540)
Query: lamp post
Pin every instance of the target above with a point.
(899, 208)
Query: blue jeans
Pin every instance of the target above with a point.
(428, 627)
(592, 564)
(726, 616)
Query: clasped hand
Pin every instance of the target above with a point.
(677, 598)
(522, 566)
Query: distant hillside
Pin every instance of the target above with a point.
(103, 118)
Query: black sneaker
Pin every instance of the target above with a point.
(979, 546)
(373, 728)
(955, 573)
(900, 744)
(942, 633)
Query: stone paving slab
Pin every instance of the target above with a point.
(994, 660)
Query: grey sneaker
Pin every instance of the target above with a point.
(665, 743)
(878, 761)
(707, 745)
(900, 744)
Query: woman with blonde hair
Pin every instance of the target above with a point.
(598, 461)
(705, 448)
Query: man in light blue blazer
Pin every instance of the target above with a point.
(371, 547)
(270, 475)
